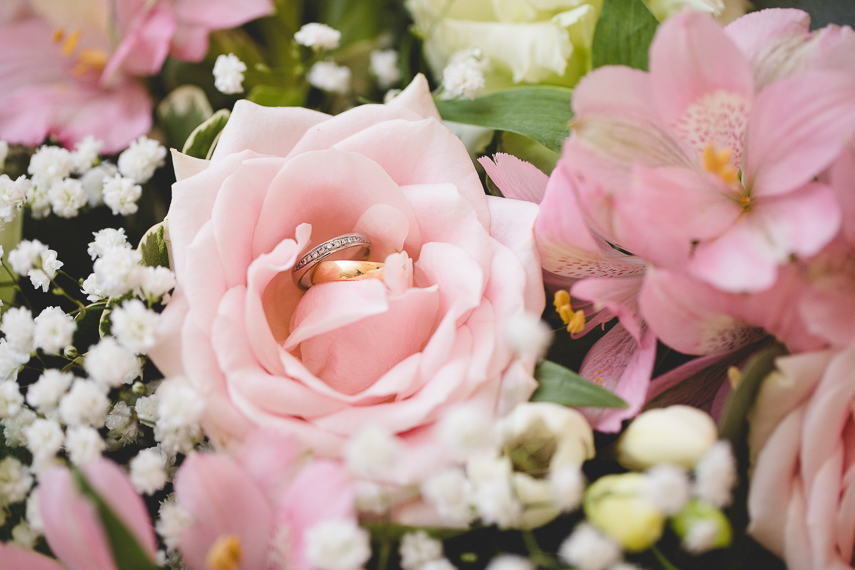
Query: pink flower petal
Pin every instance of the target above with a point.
(517, 179)
(843, 183)
(18, 558)
(221, 14)
(618, 295)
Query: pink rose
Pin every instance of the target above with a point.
(324, 363)
(802, 492)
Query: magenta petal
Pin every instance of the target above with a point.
(517, 179)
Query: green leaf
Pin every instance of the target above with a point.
(563, 386)
(127, 552)
(623, 34)
(153, 246)
(201, 141)
(272, 96)
(540, 113)
(182, 111)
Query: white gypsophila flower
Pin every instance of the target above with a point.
(44, 437)
(118, 271)
(54, 330)
(15, 481)
(105, 240)
(13, 195)
(701, 537)
(25, 256)
(13, 428)
(372, 452)
(4, 152)
(52, 385)
(84, 404)
(93, 182)
(328, 76)
(715, 475)
(589, 549)
(139, 161)
(450, 493)
(497, 504)
(337, 545)
(85, 154)
(417, 549)
(109, 363)
(228, 74)
(667, 487)
(50, 163)
(18, 326)
(34, 516)
(10, 361)
(156, 282)
(372, 497)
(119, 417)
(11, 400)
(37, 198)
(464, 74)
(84, 444)
(67, 197)
(384, 65)
(178, 403)
(440, 564)
(24, 536)
(624, 566)
(317, 36)
(171, 522)
(43, 463)
(174, 440)
(148, 473)
(567, 483)
(466, 429)
(147, 409)
(528, 336)
(41, 277)
(91, 289)
(120, 194)
(510, 562)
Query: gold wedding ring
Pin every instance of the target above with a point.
(329, 271)
(347, 247)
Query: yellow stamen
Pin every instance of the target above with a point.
(58, 35)
(735, 376)
(70, 43)
(91, 59)
(561, 298)
(745, 202)
(225, 554)
(577, 323)
(575, 320)
(718, 162)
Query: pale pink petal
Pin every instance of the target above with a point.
(843, 184)
(203, 279)
(699, 371)
(836, 48)
(221, 14)
(740, 260)
(145, 44)
(618, 295)
(828, 307)
(517, 179)
(18, 558)
(271, 459)
(417, 98)
(615, 90)
(189, 42)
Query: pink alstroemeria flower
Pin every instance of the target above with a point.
(262, 501)
(72, 525)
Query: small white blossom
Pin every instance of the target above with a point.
(118, 271)
(37, 198)
(18, 326)
(327, 76)
(667, 487)
(337, 545)
(148, 473)
(13, 195)
(84, 444)
(106, 239)
(497, 504)
(589, 549)
(625, 566)
(85, 404)
(318, 36)
(11, 399)
(228, 74)
(109, 363)
(34, 516)
(384, 65)
(528, 336)
(134, 326)
(35, 260)
(91, 289)
(568, 486)
(701, 537)
(372, 452)
(24, 536)
(139, 161)
(171, 522)
(85, 154)
(67, 197)
(450, 493)
(373, 497)
(119, 417)
(156, 282)
(15, 481)
(54, 330)
(417, 549)
(10, 361)
(715, 475)
(43, 463)
(178, 403)
(120, 194)
(464, 74)
(44, 437)
(510, 562)
(440, 564)
(93, 182)
(45, 394)
(465, 430)
(146, 409)
(49, 164)
(13, 428)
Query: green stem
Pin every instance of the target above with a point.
(537, 555)
(57, 290)
(664, 562)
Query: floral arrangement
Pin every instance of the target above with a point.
(426, 284)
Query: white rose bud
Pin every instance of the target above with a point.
(679, 435)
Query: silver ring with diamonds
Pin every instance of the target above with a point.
(347, 247)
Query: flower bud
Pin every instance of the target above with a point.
(617, 504)
(702, 527)
(679, 435)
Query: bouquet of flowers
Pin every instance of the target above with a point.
(427, 284)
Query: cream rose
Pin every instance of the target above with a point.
(326, 363)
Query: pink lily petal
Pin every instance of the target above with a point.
(619, 296)
(517, 179)
(221, 14)
(147, 33)
(270, 458)
(17, 558)
(843, 184)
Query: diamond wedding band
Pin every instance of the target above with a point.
(347, 247)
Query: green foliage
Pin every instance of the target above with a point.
(540, 113)
(153, 246)
(273, 96)
(563, 386)
(182, 111)
(203, 139)
(623, 34)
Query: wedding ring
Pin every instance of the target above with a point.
(328, 271)
(351, 247)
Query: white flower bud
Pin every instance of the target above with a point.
(679, 435)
